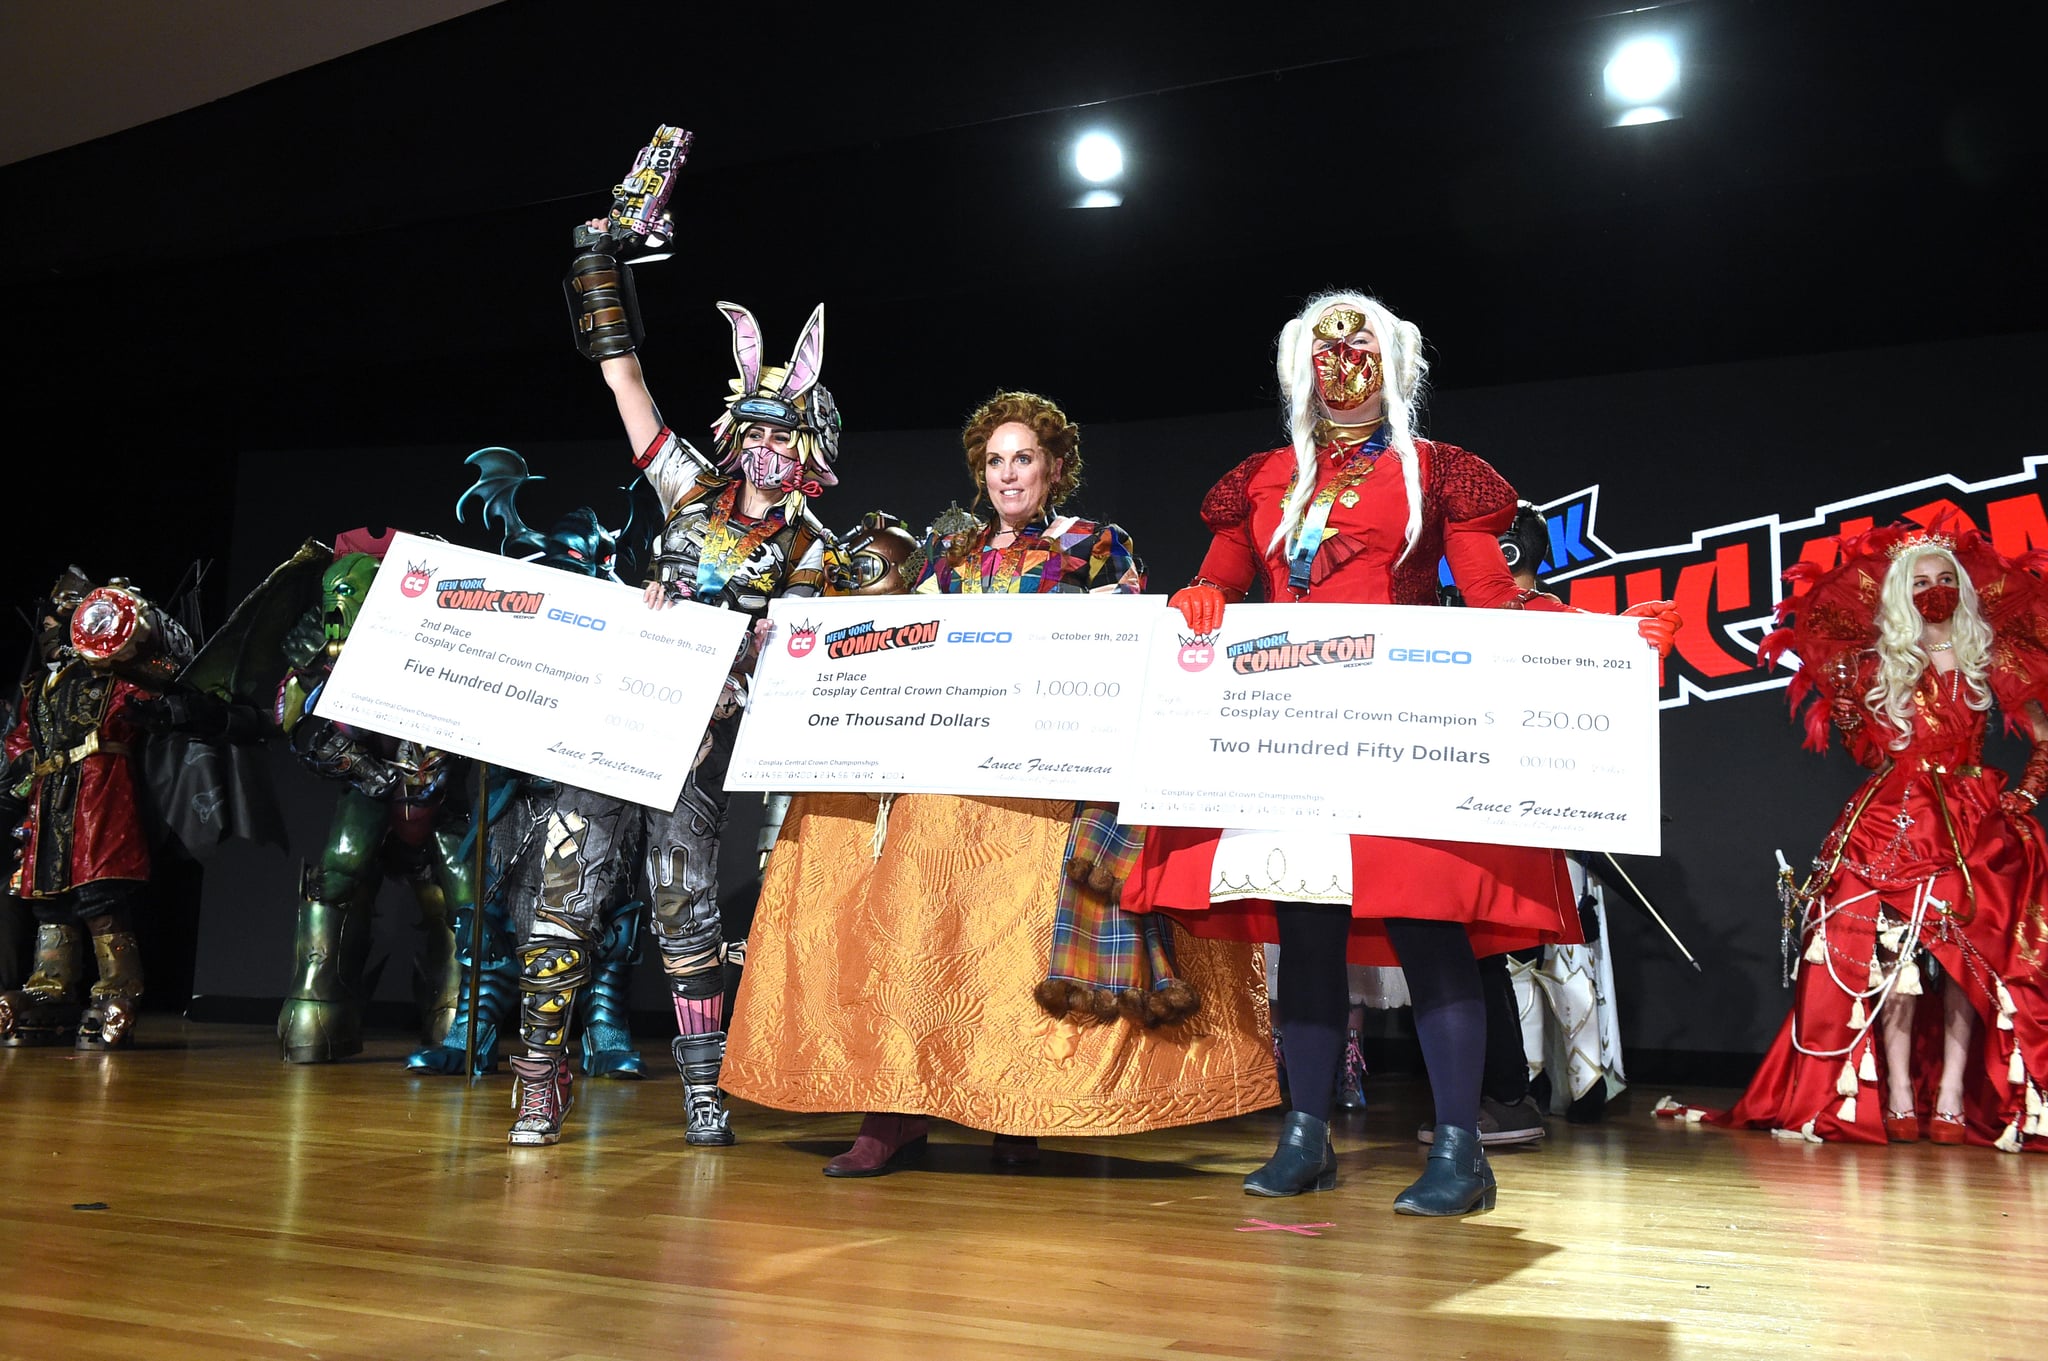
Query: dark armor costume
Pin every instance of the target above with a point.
(72, 787)
(394, 818)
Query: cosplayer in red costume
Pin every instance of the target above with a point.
(71, 785)
(1359, 511)
(1933, 862)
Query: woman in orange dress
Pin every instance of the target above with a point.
(898, 943)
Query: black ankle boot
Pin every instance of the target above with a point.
(1456, 1179)
(1303, 1162)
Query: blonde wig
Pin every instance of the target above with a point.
(1901, 660)
(1404, 367)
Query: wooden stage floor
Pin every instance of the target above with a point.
(196, 1198)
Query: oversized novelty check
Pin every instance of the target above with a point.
(1501, 726)
(1027, 696)
(562, 676)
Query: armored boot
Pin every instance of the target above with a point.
(684, 920)
(109, 1020)
(322, 1019)
(45, 1009)
(542, 1097)
(437, 975)
(607, 1038)
(497, 991)
(699, 1058)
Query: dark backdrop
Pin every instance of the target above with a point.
(1674, 452)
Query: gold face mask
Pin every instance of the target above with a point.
(1347, 374)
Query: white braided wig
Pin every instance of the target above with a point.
(1405, 368)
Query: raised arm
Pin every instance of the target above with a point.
(604, 317)
(637, 411)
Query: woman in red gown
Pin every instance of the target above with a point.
(1931, 883)
(1359, 511)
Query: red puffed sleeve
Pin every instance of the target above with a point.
(1479, 505)
(1232, 562)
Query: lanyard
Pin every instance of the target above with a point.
(1314, 527)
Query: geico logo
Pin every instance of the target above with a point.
(964, 637)
(1441, 656)
(582, 621)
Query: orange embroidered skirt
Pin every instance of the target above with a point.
(904, 983)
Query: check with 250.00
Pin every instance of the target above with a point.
(1503, 726)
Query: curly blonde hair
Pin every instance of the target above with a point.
(1058, 436)
(1902, 660)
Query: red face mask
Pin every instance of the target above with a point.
(1346, 378)
(1937, 603)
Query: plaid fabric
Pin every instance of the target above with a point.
(1095, 943)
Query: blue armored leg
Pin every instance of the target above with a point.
(497, 996)
(607, 1037)
(513, 865)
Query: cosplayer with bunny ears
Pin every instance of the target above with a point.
(1359, 510)
(737, 533)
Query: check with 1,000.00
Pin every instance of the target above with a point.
(558, 675)
(1504, 726)
(1026, 696)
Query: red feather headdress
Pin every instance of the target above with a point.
(1830, 617)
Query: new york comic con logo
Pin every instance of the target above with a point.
(1279, 652)
(860, 639)
(472, 594)
(1726, 580)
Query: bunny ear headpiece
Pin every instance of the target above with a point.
(788, 397)
(746, 345)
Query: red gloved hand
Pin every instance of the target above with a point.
(1847, 714)
(1201, 605)
(2020, 801)
(1657, 621)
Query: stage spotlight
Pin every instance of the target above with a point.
(1642, 71)
(1646, 113)
(1100, 198)
(1098, 158)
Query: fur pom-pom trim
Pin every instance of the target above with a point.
(1065, 999)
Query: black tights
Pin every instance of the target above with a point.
(1443, 978)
